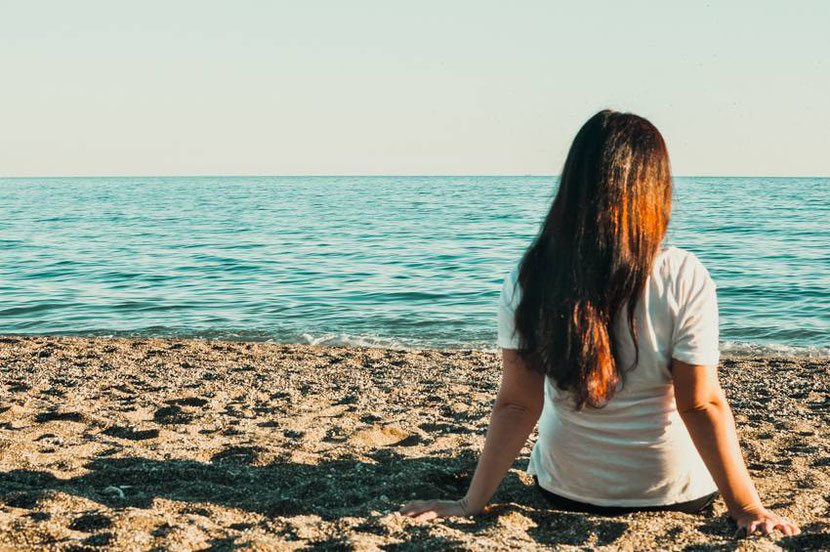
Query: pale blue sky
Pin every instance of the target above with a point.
(174, 87)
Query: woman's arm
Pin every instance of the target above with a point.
(703, 408)
(515, 412)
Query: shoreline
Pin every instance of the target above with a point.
(732, 350)
(116, 443)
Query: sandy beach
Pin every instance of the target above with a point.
(114, 444)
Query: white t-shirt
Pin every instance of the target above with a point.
(635, 451)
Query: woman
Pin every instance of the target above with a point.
(612, 338)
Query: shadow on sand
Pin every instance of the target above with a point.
(345, 487)
(331, 490)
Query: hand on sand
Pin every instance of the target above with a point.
(765, 521)
(424, 510)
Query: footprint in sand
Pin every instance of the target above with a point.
(50, 439)
(22, 499)
(91, 522)
(175, 414)
(348, 399)
(335, 435)
(18, 387)
(802, 449)
(98, 539)
(162, 530)
(442, 427)
(230, 432)
(383, 437)
(130, 433)
(172, 415)
(121, 388)
(820, 405)
(242, 368)
(188, 401)
(291, 434)
(49, 443)
(63, 382)
(806, 483)
(238, 456)
(55, 416)
(269, 423)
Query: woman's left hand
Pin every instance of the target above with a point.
(432, 509)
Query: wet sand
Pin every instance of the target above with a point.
(113, 444)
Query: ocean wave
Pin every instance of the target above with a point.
(384, 342)
(740, 349)
(727, 348)
(342, 339)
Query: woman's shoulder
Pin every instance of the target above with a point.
(682, 272)
(510, 290)
(676, 261)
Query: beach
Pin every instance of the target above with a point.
(158, 444)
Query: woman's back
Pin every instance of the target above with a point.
(635, 450)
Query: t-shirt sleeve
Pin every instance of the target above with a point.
(508, 301)
(695, 333)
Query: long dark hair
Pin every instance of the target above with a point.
(594, 254)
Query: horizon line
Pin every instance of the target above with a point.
(393, 175)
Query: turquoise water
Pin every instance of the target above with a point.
(399, 261)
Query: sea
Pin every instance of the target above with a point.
(387, 261)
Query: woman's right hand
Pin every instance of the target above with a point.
(760, 519)
(425, 510)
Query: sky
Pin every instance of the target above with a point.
(269, 87)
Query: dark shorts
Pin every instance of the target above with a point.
(561, 503)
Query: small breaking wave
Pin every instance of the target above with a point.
(343, 339)
(727, 348)
(383, 342)
(347, 340)
(745, 350)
